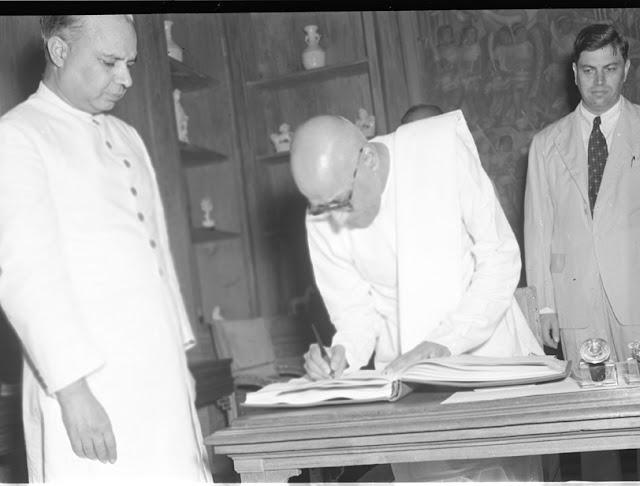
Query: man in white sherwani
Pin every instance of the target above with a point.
(87, 277)
(413, 256)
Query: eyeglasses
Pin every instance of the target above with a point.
(343, 204)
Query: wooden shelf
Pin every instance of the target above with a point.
(205, 235)
(195, 156)
(187, 79)
(312, 75)
(276, 158)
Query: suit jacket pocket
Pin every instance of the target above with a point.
(558, 262)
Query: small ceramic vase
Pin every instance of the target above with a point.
(173, 49)
(207, 207)
(313, 56)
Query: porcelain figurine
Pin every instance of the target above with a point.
(313, 56)
(366, 123)
(282, 141)
(207, 206)
(182, 119)
(173, 49)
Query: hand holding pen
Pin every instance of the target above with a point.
(321, 364)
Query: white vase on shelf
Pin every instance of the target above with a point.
(207, 207)
(313, 56)
(173, 49)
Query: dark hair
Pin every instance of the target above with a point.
(418, 112)
(597, 36)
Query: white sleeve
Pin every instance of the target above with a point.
(538, 224)
(36, 292)
(495, 252)
(345, 293)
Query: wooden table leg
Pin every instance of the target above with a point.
(269, 476)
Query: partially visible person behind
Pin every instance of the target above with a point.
(582, 213)
(87, 278)
(413, 257)
(419, 112)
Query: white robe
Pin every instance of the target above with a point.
(438, 263)
(88, 282)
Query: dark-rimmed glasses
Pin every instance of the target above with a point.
(343, 204)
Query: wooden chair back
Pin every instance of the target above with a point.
(262, 349)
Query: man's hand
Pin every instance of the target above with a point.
(88, 425)
(424, 350)
(550, 329)
(316, 366)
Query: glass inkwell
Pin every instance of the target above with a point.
(596, 369)
(629, 369)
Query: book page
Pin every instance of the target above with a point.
(467, 369)
(361, 385)
(482, 394)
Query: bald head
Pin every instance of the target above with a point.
(324, 152)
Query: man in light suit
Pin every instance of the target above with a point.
(582, 207)
(86, 274)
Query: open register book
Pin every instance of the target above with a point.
(464, 371)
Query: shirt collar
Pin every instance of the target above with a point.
(49, 96)
(606, 117)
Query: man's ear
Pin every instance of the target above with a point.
(627, 65)
(58, 50)
(369, 157)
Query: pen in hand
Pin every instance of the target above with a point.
(323, 351)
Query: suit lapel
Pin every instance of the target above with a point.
(569, 143)
(623, 147)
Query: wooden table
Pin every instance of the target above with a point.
(273, 445)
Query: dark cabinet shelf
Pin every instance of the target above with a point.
(187, 79)
(213, 380)
(312, 75)
(195, 156)
(206, 235)
(276, 158)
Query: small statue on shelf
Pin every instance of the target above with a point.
(366, 123)
(207, 206)
(282, 140)
(216, 314)
(182, 119)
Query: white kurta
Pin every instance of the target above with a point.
(356, 269)
(88, 282)
(461, 289)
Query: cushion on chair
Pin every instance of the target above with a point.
(248, 343)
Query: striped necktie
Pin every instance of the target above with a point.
(597, 159)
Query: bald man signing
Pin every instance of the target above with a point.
(413, 256)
